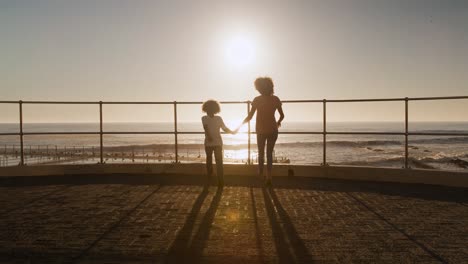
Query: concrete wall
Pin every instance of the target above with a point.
(446, 178)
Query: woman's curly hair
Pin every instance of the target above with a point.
(211, 107)
(264, 85)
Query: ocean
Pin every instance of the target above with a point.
(431, 152)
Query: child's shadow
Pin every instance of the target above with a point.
(188, 249)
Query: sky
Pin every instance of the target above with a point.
(199, 50)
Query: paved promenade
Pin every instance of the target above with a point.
(300, 221)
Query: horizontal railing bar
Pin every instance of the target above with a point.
(364, 100)
(284, 133)
(9, 134)
(60, 102)
(142, 103)
(437, 134)
(437, 98)
(139, 133)
(366, 133)
(243, 102)
(96, 133)
(301, 101)
(192, 103)
(392, 133)
(222, 102)
(194, 133)
(59, 133)
(201, 133)
(234, 102)
(341, 133)
(393, 99)
(302, 133)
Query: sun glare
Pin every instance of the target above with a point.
(240, 51)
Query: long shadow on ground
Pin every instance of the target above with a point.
(187, 248)
(289, 246)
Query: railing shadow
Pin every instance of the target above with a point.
(289, 246)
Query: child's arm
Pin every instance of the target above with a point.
(226, 129)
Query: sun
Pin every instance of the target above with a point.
(240, 51)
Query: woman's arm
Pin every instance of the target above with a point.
(250, 115)
(280, 110)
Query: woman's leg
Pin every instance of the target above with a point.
(261, 138)
(218, 152)
(209, 161)
(271, 141)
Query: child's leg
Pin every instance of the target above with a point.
(218, 151)
(209, 160)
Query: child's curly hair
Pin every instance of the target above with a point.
(211, 107)
(264, 85)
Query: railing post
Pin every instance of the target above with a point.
(101, 143)
(21, 131)
(406, 133)
(175, 133)
(248, 135)
(324, 163)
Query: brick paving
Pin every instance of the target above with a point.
(318, 222)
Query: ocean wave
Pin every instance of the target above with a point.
(447, 140)
(369, 143)
(344, 143)
(421, 163)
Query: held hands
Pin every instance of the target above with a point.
(237, 129)
(278, 124)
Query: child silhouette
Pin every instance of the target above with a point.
(212, 124)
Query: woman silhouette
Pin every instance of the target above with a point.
(266, 125)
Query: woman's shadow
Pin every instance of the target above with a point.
(289, 246)
(188, 247)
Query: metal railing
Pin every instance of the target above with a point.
(324, 131)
